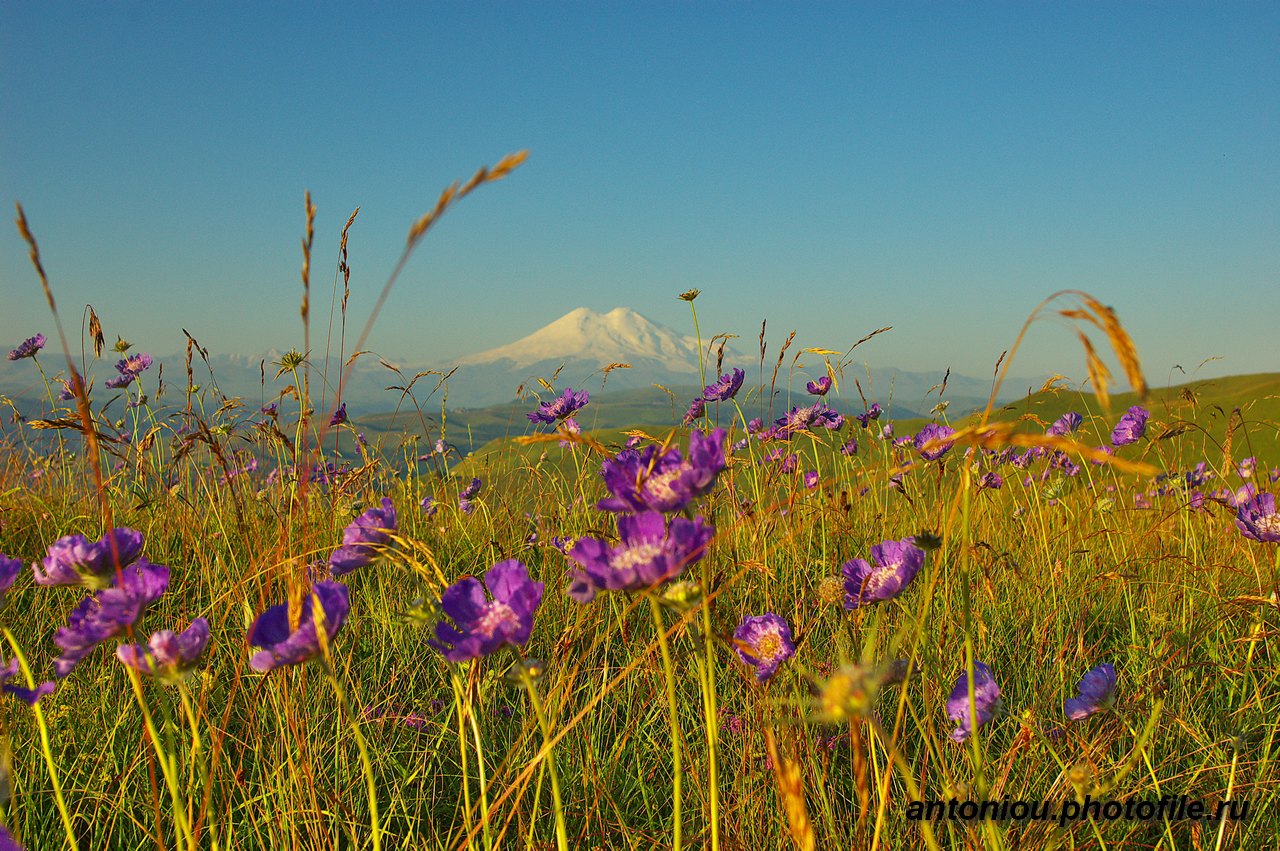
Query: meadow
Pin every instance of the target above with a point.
(766, 625)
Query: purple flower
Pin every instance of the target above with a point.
(811, 479)
(896, 563)
(558, 409)
(481, 626)
(992, 480)
(285, 645)
(7, 842)
(28, 347)
(466, 506)
(74, 560)
(819, 387)
(26, 695)
(167, 655)
(1065, 424)
(472, 489)
(755, 425)
(764, 642)
(570, 426)
(429, 506)
(339, 416)
(129, 369)
(871, 414)
(9, 570)
(647, 481)
(935, 434)
(789, 463)
(649, 553)
(886, 431)
(697, 410)
(986, 696)
(1094, 693)
(725, 387)
(850, 447)
(1257, 518)
(68, 391)
(362, 538)
(1132, 426)
(108, 613)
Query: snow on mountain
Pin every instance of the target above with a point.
(621, 335)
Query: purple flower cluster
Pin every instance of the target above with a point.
(9, 570)
(932, 441)
(1132, 426)
(1065, 424)
(1094, 693)
(870, 415)
(803, 418)
(764, 642)
(109, 613)
(129, 369)
(651, 480)
(167, 655)
(986, 700)
(481, 626)
(725, 387)
(1258, 519)
(28, 347)
(893, 565)
(322, 612)
(75, 560)
(560, 408)
(820, 387)
(650, 553)
(362, 539)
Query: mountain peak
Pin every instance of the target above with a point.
(621, 335)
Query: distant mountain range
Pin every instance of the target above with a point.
(580, 346)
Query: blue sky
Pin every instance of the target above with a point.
(832, 168)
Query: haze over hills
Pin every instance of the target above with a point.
(580, 345)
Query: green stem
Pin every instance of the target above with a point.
(45, 748)
(562, 842)
(366, 765)
(167, 765)
(674, 716)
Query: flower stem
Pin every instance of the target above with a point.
(362, 746)
(673, 713)
(45, 747)
(562, 842)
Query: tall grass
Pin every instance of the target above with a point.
(635, 725)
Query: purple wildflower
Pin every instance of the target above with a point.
(649, 553)
(789, 463)
(871, 414)
(886, 431)
(1132, 426)
(992, 480)
(482, 626)
(986, 695)
(697, 410)
(936, 435)
(129, 369)
(74, 560)
(1094, 693)
(570, 426)
(28, 347)
(362, 538)
(850, 447)
(755, 425)
(26, 695)
(1064, 424)
(284, 645)
(471, 489)
(764, 642)
(68, 391)
(429, 506)
(647, 481)
(108, 613)
(1257, 518)
(466, 506)
(896, 563)
(725, 387)
(9, 570)
(339, 416)
(168, 655)
(560, 408)
(811, 479)
(820, 387)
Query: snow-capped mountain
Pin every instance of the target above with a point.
(621, 335)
